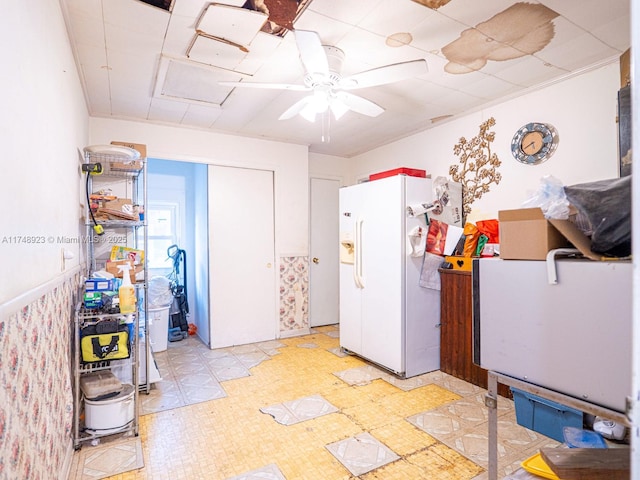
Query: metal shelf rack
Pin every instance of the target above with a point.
(128, 176)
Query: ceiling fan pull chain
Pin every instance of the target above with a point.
(326, 125)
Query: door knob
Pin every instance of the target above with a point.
(316, 260)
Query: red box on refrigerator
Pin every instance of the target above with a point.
(412, 172)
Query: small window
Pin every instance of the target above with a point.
(162, 229)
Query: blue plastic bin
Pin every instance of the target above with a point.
(544, 416)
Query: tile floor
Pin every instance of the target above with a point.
(298, 408)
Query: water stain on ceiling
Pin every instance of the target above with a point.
(522, 29)
(435, 4)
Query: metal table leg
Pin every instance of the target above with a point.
(491, 401)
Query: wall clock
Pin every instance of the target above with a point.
(534, 143)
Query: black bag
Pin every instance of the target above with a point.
(606, 204)
(105, 340)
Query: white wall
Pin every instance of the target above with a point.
(583, 109)
(44, 125)
(329, 166)
(289, 162)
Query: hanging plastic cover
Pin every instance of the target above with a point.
(607, 206)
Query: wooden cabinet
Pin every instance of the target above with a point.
(456, 335)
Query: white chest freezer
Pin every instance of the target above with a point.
(574, 337)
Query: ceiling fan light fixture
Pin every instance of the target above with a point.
(308, 113)
(317, 103)
(338, 108)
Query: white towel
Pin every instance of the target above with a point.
(418, 241)
(429, 275)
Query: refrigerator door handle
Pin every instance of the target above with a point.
(357, 244)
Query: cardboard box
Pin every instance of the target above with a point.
(117, 210)
(140, 147)
(134, 165)
(412, 172)
(98, 285)
(526, 235)
(112, 267)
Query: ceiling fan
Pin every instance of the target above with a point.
(330, 90)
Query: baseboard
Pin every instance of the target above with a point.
(294, 333)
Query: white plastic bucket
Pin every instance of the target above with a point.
(110, 415)
(158, 328)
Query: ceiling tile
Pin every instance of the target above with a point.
(351, 12)
(331, 31)
(387, 18)
(590, 14)
(245, 104)
(167, 111)
(136, 16)
(238, 25)
(130, 72)
(96, 81)
(471, 13)
(490, 87)
(200, 116)
(215, 52)
(573, 48)
(131, 42)
(87, 28)
(370, 51)
(435, 32)
(89, 8)
(437, 74)
(92, 58)
(130, 104)
(191, 82)
(179, 37)
(190, 8)
(527, 71)
(615, 33)
(261, 52)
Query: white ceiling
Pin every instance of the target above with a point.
(143, 63)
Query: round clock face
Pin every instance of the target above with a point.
(534, 143)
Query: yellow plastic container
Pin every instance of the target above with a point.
(536, 465)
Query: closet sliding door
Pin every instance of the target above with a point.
(242, 273)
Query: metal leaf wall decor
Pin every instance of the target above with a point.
(478, 166)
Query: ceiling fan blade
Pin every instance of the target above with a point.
(383, 75)
(359, 104)
(273, 86)
(312, 53)
(294, 109)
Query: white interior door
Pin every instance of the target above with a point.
(241, 256)
(323, 271)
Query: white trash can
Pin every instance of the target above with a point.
(158, 328)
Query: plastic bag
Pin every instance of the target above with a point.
(491, 229)
(160, 292)
(550, 198)
(482, 241)
(472, 235)
(607, 206)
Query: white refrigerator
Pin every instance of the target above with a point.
(386, 317)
